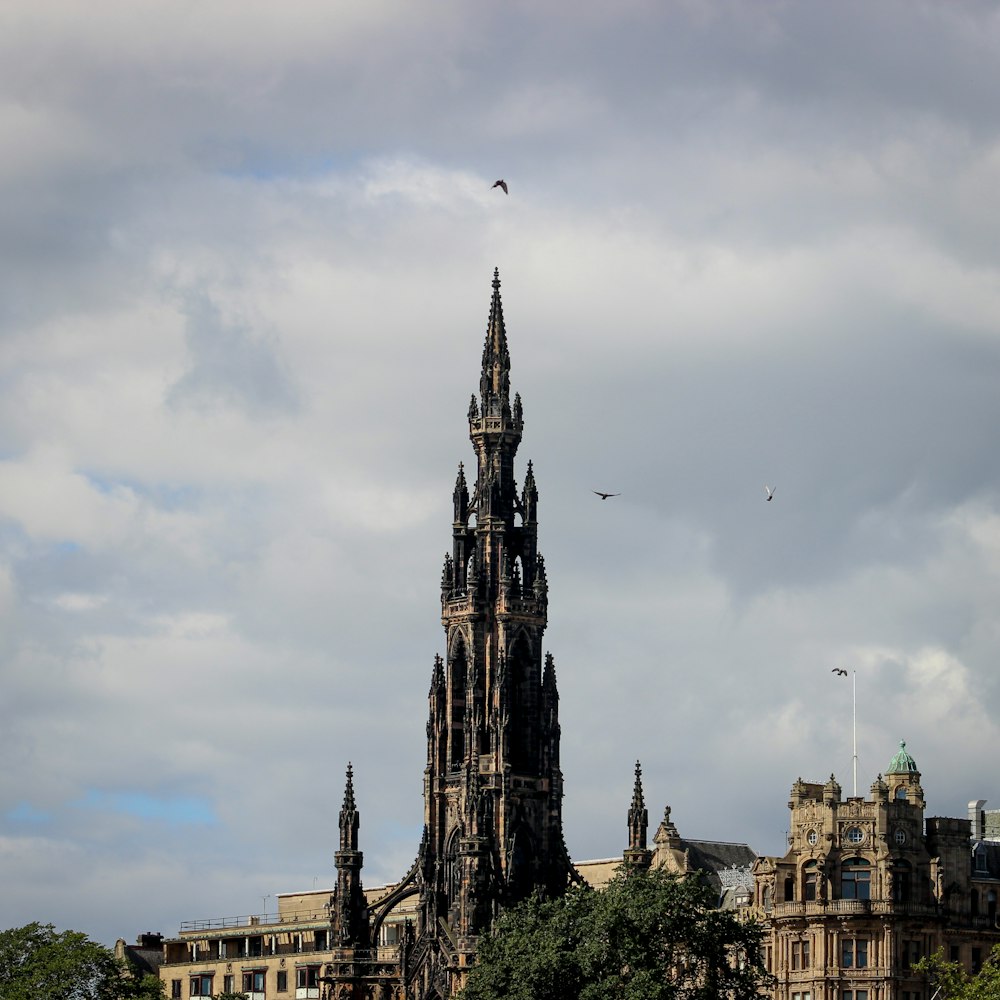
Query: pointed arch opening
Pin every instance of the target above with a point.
(521, 865)
(458, 673)
(524, 750)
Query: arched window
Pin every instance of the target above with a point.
(902, 881)
(855, 879)
(809, 881)
(452, 872)
(459, 672)
(523, 709)
(520, 871)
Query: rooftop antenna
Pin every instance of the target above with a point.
(854, 719)
(841, 672)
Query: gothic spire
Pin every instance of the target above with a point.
(349, 912)
(349, 818)
(638, 821)
(494, 385)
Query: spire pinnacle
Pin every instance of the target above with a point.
(349, 805)
(638, 822)
(494, 385)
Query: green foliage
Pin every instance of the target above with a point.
(954, 983)
(647, 936)
(36, 963)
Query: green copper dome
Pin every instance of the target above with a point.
(902, 762)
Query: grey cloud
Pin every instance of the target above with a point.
(230, 365)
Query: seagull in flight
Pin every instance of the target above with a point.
(604, 496)
(838, 671)
(501, 184)
(770, 493)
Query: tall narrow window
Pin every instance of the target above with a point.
(854, 953)
(524, 693)
(901, 881)
(809, 876)
(855, 879)
(459, 670)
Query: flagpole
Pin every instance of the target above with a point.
(854, 717)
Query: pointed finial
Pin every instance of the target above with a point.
(349, 805)
(496, 278)
(638, 819)
(637, 799)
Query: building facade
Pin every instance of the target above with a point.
(869, 887)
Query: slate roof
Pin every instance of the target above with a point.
(712, 856)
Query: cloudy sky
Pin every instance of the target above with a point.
(245, 262)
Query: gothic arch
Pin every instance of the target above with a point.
(452, 872)
(521, 863)
(458, 673)
(523, 673)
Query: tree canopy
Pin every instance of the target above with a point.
(953, 983)
(648, 935)
(39, 963)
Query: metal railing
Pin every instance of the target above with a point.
(253, 920)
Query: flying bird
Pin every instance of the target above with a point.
(837, 670)
(770, 493)
(501, 184)
(604, 496)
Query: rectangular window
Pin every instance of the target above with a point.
(977, 959)
(307, 982)
(321, 944)
(228, 986)
(282, 981)
(253, 982)
(800, 955)
(854, 995)
(307, 977)
(911, 953)
(201, 986)
(954, 953)
(854, 953)
(175, 988)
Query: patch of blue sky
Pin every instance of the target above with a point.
(178, 810)
(164, 495)
(25, 812)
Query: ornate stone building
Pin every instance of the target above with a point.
(868, 887)
(492, 783)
